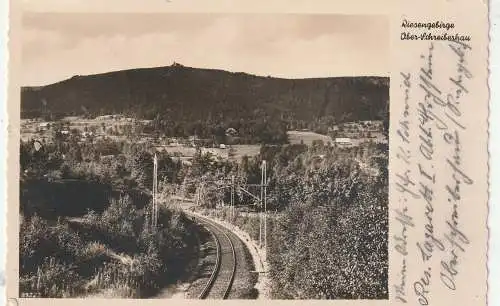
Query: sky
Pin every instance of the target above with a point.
(57, 46)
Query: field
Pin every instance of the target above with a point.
(306, 137)
(248, 150)
(178, 150)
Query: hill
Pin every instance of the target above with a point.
(206, 97)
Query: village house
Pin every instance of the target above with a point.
(44, 126)
(343, 142)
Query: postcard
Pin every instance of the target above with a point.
(189, 152)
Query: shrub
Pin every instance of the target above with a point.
(39, 241)
(52, 279)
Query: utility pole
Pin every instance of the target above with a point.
(231, 209)
(154, 215)
(264, 169)
(202, 192)
(197, 199)
(263, 206)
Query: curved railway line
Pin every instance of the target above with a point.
(222, 277)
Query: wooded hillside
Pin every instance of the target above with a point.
(204, 95)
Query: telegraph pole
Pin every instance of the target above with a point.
(202, 192)
(197, 199)
(263, 206)
(232, 197)
(264, 169)
(154, 219)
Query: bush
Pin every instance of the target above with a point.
(52, 279)
(39, 241)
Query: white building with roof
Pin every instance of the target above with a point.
(343, 142)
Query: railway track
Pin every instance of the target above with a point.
(221, 280)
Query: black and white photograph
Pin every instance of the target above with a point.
(204, 156)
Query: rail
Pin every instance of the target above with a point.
(216, 270)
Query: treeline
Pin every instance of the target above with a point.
(254, 128)
(85, 175)
(121, 163)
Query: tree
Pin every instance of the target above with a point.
(75, 153)
(142, 169)
(168, 169)
(25, 155)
